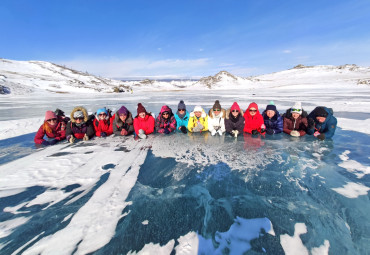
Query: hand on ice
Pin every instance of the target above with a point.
(183, 129)
(86, 138)
(321, 136)
(72, 139)
(254, 132)
(123, 132)
(269, 131)
(142, 134)
(316, 133)
(295, 133)
(167, 131)
(235, 133)
(213, 132)
(219, 132)
(103, 134)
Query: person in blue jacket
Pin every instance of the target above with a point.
(321, 123)
(182, 117)
(272, 119)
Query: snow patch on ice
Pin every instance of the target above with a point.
(188, 244)
(13, 128)
(293, 245)
(361, 126)
(6, 227)
(352, 190)
(155, 249)
(145, 222)
(353, 166)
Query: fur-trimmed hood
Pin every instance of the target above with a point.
(212, 115)
(129, 119)
(83, 110)
(228, 111)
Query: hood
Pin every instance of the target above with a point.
(83, 110)
(328, 110)
(165, 108)
(252, 105)
(128, 119)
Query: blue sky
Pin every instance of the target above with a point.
(147, 38)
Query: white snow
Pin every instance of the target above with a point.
(352, 190)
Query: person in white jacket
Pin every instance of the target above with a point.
(216, 120)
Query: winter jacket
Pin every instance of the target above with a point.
(118, 124)
(161, 124)
(216, 122)
(299, 124)
(193, 121)
(105, 125)
(252, 122)
(146, 123)
(79, 131)
(275, 123)
(58, 132)
(182, 121)
(232, 123)
(327, 127)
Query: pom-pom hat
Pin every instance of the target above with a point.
(181, 105)
(140, 108)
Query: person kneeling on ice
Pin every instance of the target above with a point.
(182, 117)
(103, 123)
(53, 128)
(321, 123)
(253, 120)
(234, 122)
(123, 122)
(295, 121)
(198, 121)
(80, 126)
(216, 119)
(143, 122)
(165, 122)
(272, 119)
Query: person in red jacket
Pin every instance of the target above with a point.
(143, 122)
(54, 129)
(103, 123)
(254, 123)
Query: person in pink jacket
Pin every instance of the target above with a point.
(165, 121)
(143, 122)
(53, 128)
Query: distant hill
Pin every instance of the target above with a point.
(23, 77)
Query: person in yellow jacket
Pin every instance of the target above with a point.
(198, 121)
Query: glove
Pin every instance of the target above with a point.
(45, 143)
(52, 142)
(103, 134)
(295, 133)
(183, 129)
(219, 132)
(72, 139)
(321, 136)
(142, 134)
(124, 132)
(167, 131)
(269, 131)
(263, 130)
(316, 133)
(311, 123)
(196, 129)
(86, 138)
(235, 133)
(213, 132)
(254, 132)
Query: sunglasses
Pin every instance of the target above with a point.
(182, 110)
(252, 110)
(53, 119)
(80, 118)
(235, 111)
(216, 110)
(296, 110)
(165, 113)
(102, 114)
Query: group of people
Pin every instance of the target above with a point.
(295, 122)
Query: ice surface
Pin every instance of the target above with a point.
(187, 194)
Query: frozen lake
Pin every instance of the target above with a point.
(187, 194)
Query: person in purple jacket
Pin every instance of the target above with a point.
(165, 121)
(234, 121)
(272, 119)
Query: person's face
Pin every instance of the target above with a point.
(217, 111)
(102, 116)
(235, 113)
(79, 120)
(252, 111)
(123, 117)
(142, 115)
(181, 111)
(321, 119)
(165, 115)
(198, 114)
(270, 113)
(295, 115)
(52, 121)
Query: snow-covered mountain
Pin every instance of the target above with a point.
(22, 77)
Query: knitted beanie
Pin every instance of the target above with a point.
(50, 115)
(271, 106)
(181, 105)
(297, 108)
(101, 110)
(217, 105)
(140, 108)
(122, 111)
(198, 108)
(321, 112)
(235, 106)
